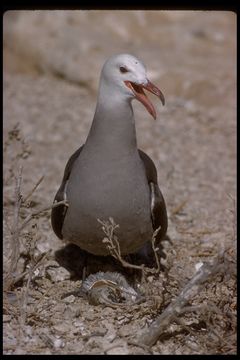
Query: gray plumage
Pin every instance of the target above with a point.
(108, 176)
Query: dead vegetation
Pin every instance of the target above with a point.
(205, 273)
(164, 311)
(17, 227)
(113, 246)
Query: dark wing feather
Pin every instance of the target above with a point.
(158, 206)
(59, 212)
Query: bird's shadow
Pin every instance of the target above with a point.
(81, 263)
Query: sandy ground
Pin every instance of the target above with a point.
(52, 61)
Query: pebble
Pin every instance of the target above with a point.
(90, 316)
(100, 331)
(63, 327)
(120, 348)
(111, 335)
(79, 324)
(107, 311)
(198, 265)
(69, 299)
(58, 343)
(58, 274)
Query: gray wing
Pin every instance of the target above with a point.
(58, 213)
(158, 206)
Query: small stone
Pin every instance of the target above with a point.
(70, 299)
(107, 311)
(121, 319)
(111, 335)
(79, 324)
(89, 316)
(12, 297)
(58, 274)
(63, 328)
(193, 345)
(124, 331)
(100, 331)
(198, 265)
(120, 348)
(43, 247)
(28, 330)
(58, 343)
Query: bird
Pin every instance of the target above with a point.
(108, 176)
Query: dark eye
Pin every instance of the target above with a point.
(123, 69)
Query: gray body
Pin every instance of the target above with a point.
(101, 197)
(108, 180)
(109, 177)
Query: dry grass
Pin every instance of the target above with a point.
(164, 310)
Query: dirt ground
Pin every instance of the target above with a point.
(52, 61)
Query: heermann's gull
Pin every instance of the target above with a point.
(108, 176)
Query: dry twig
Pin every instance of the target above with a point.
(179, 207)
(33, 189)
(113, 245)
(16, 228)
(193, 287)
(37, 212)
(15, 246)
(142, 346)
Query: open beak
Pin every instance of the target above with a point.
(139, 93)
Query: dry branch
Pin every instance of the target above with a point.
(33, 189)
(113, 245)
(34, 264)
(15, 246)
(37, 212)
(16, 228)
(179, 207)
(193, 287)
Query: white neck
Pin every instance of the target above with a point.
(113, 126)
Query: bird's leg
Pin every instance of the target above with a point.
(84, 272)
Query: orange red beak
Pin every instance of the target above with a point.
(140, 95)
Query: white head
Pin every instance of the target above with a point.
(125, 76)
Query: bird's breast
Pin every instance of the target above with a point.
(109, 186)
(100, 189)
